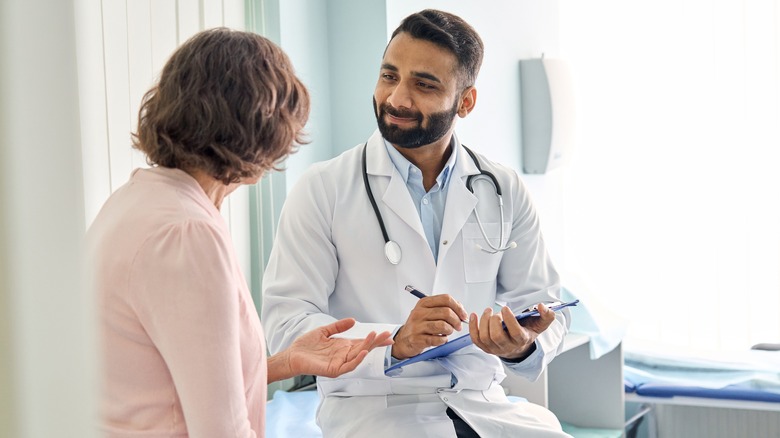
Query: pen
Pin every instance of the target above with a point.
(415, 292)
(418, 294)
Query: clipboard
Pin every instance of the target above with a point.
(464, 341)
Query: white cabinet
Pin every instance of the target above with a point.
(580, 391)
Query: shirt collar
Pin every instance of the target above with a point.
(403, 165)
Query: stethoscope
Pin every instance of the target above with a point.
(393, 250)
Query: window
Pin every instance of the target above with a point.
(673, 198)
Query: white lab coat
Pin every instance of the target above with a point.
(328, 262)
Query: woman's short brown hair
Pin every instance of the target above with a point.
(227, 103)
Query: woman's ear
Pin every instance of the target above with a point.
(467, 101)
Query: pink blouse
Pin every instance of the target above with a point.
(183, 352)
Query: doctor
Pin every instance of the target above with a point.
(411, 207)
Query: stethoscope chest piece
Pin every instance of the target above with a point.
(393, 252)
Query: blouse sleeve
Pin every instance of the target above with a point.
(187, 298)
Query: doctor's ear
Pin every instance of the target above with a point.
(467, 101)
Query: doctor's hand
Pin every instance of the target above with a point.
(428, 325)
(318, 353)
(517, 340)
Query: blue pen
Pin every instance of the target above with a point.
(415, 292)
(421, 295)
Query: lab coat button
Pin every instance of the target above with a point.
(445, 399)
(445, 242)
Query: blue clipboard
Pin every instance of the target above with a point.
(463, 341)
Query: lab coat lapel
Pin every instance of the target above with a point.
(399, 200)
(460, 201)
(396, 196)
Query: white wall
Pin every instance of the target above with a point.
(47, 354)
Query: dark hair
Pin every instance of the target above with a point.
(450, 32)
(227, 103)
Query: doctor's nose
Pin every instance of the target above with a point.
(400, 97)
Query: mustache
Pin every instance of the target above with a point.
(402, 113)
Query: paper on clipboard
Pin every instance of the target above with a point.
(460, 342)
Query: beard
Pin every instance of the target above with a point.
(438, 125)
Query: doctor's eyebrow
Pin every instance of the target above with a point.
(417, 74)
(424, 75)
(390, 67)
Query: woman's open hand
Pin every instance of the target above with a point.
(318, 353)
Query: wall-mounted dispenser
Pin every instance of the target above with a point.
(547, 114)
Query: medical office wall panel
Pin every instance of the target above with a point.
(356, 48)
(303, 35)
(335, 47)
(48, 345)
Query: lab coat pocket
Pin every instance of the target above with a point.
(478, 265)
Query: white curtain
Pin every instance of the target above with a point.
(673, 195)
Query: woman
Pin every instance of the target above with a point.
(183, 349)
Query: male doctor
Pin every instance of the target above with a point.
(331, 260)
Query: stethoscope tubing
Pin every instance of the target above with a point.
(393, 250)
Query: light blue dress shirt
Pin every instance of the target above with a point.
(430, 205)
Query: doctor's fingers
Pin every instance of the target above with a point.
(479, 329)
(539, 323)
(518, 334)
(495, 338)
(444, 301)
(419, 342)
(421, 326)
(438, 314)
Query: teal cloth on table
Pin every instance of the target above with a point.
(582, 432)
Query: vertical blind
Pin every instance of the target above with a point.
(122, 46)
(673, 196)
